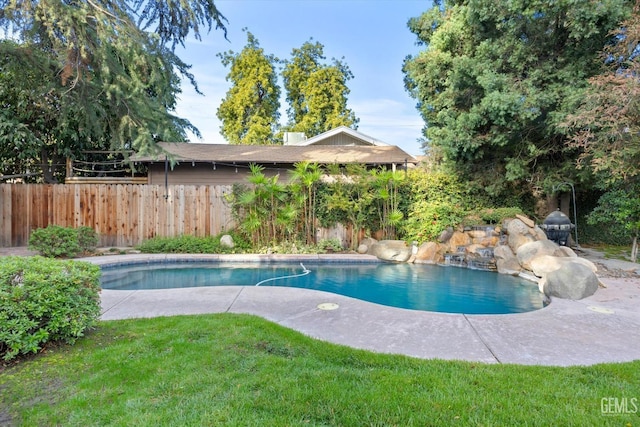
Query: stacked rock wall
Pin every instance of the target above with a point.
(516, 247)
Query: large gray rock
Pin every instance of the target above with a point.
(531, 250)
(545, 264)
(391, 250)
(519, 234)
(572, 280)
(227, 241)
(506, 260)
(365, 245)
(565, 251)
(445, 235)
(539, 233)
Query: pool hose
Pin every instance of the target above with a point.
(305, 271)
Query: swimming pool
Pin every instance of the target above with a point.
(412, 286)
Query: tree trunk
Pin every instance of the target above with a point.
(634, 248)
(47, 169)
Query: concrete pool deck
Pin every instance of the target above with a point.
(602, 328)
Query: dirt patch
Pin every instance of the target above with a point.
(610, 272)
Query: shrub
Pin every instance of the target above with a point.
(491, 215)
(429, 219)
(56, 241)
(191, 245)
(44, 300)
(330, 245)
(87, 239)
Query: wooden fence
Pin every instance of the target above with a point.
(123, 215)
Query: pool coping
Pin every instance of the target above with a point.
(599, 329)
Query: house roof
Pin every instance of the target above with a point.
(323, 154)
(359, 137)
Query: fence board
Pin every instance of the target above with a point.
(18, 223)
(5, 215)
(122, 214)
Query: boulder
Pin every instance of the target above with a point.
(572, 280)
(477, 234)
(227, 241)
(429, 253)
(526, 221)
(506, 260)
(391, 250)
(474, 248)
(531, 250)
(539, 233)
(488, 241)
(516, 226)
(458, 239)
(565, 251)
(545, 264)
(445, 235)
(519, 234)
(365, 245)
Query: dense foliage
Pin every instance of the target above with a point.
(57, 241)
(606, 125)
(412, 205)
(270, 211)
(317, 92)
(192, 245)
(92, 75)
(606, 129)
(497, 79)
(44, 300)
(249, 112)
(621, 208)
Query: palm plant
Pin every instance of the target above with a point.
(385, 189)
(305, 176)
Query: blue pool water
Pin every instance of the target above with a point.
(412, 286)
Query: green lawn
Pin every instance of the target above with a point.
(226, 369)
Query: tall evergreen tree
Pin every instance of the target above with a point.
(249, 112)
(103, 71)
(606, 126)
(317, 92)
(498, 77)
(606, 130)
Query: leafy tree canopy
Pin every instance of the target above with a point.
(100, 72)
(497, 78)
(606, 125)
(249, 112)
(317, 92)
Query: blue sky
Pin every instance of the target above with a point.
(371, 35)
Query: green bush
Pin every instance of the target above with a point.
(429, 219)
(63, 242)
(490, 215)
(87, 239)
(44, 300)
(330, 245)
(191, 245)
(438, 200)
